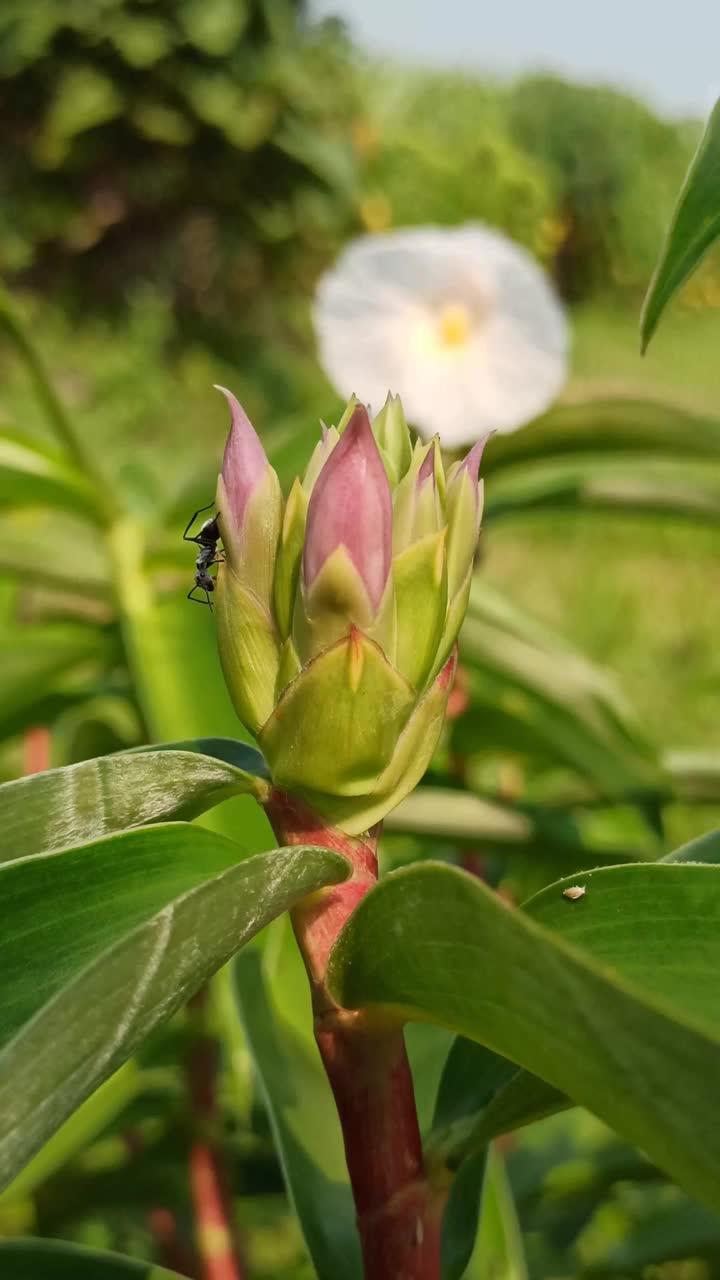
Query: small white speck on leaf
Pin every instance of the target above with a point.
(574, 892)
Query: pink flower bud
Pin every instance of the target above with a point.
(471, 462)
(244, 461)
(351, 506)
(427, 470)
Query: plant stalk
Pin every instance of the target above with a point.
(209, 1187)
(364, 1056)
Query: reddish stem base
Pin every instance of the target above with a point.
(367, 1067)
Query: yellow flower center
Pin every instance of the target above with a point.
(454, 325)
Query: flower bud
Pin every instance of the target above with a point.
(289, 556)
(319, 456)
(420, 563)
(419, 507)
(337, 616)
(464, 503)
(250, 505)
(348, 544)
(393, 438)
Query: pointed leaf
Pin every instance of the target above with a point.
(499, 1248)
(612, 999)
(705, 849)
(482, 1095)
(82, 802)
(694, 227)
(631, 427)
(105, 941)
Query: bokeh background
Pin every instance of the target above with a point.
(175, 176)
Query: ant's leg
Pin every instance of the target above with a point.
(191, 522)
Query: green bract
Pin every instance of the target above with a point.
(338, 609)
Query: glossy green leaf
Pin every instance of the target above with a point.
(82, 802)
(705, 849)
(105, 941)
(32, 476)
(274, 1001)
(694, 227)
(80, 1129)
(613, 999)
(56, 1260)
(482, 1095)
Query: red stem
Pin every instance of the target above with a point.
(36, 750)
(219, 1255)
(367, 1067)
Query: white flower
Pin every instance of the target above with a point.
(460, 322)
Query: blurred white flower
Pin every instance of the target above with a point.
(460, 322)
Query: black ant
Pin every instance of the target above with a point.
(207, 540)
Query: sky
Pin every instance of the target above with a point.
(666, 51)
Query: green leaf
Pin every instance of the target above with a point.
(694, 227)
(480, 1096)
(460, 1219)
(499, 1249)
(705, 849)
(564, 705)
(79, 1130)
(54, 550)
(274, 1001)
(532, 837)
(695, 776)
(640, 487)
(41, 671)
(32, 476)
(82, 802)
(612, 999)
(628, 428)
(105, 941)
(56, 1260)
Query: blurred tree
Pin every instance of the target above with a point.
(204, 145)
(614, 168)
(437, 149)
